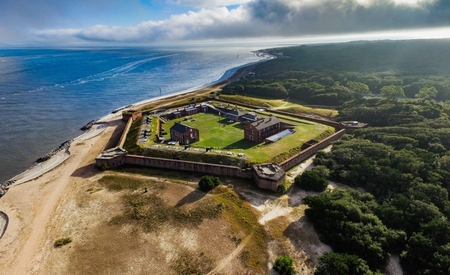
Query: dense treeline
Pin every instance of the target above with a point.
(353, 70)
(400, 164)
(323, 88)
(429, 57)
(404, 164)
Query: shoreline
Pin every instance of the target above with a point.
(58, 158)
(226, 77)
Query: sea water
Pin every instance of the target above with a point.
(46, 95)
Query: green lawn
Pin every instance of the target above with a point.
(217, 133)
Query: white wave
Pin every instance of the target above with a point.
(118, 71)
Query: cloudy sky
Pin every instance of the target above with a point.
(89, 22)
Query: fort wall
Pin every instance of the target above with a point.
(311, 151)
(230, 171)
(198, 167)
(125, 132)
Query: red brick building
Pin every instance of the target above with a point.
(184, 134)
(262, 128)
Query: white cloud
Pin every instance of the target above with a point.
(208, 3)
(271, 18)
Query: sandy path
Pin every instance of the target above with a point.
(31, 205)
(225, 262)
(43, 218)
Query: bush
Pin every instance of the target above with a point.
(312, 181)
(342, 264)
(62, 241)
(207, 183)
(284, 265)
(282, 188)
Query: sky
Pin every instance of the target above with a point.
(147, 22)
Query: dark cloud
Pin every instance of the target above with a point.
(329, 16)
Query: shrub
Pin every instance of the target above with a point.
(342, 264)
(284, 265)
(312, 181)
(207, 183)
(62, 241)
(282, 188)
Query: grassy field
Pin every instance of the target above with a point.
(218, 133)
(282, 105)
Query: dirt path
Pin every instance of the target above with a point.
(31, 206)
(225, 262)
(44, 216)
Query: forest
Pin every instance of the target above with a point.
(397, 169)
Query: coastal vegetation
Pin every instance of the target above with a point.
(400, 163)
(284, 265)
(312, 181)
(62, 241)
(208, 183)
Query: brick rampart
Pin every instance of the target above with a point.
(311, 151)
(125, 132)
(198, 167)
(232, 171)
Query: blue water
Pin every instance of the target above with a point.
(47, 95)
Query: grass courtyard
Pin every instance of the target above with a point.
(216, 132)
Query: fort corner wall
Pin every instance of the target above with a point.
(311, 151)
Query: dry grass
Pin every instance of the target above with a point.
(150, 212)
(244, 224)
(188, 263)
(170, 230)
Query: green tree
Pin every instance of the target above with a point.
(284, 265)
(342, 264)
(426, 93)
(312, 181)
(358, 87)
(207, 183)
(392, 91)
(345, 219)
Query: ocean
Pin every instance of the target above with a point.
(47, 95)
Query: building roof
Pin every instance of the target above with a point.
(280, 135)
(269, 171)
(249, 116)
(234, 113)
(180, 128)
(263, 123)
(112, 153)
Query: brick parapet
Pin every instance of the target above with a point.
(310, 151)
(198, 167)
(123, 137)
